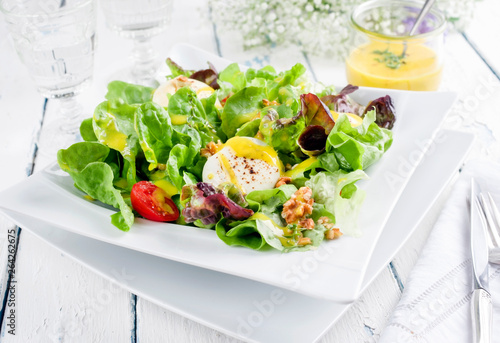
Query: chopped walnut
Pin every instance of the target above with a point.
(333, 233)
(211, 149)
(307, 223)
(304, 241)
(283, 181)
(266, 102)
(298, 206)
(326, 222)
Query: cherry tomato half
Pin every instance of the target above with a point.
(153, 203)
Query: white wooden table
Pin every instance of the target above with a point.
(59, 300)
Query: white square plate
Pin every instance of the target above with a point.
(334, 271)
(228, 303)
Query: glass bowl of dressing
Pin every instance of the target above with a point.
(383, 55)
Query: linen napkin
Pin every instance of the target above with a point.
(435, 305)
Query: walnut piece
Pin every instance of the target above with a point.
(266, 102)
(307, 223)
(298, 206)
(304, 241)
(326, 222)
(332, 232)
(283, 181)
(210, 149)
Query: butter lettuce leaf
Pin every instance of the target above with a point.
(291, 76)
(185, 155)
(114, 127)
(282, 133)
(185, 102)
(233, 79)
(241, 108)
(270, 200)
(240, 233)
(76, 157)
(154, 129)
(358, 147)
(337, 192)
(87, 130)
(127, 93)
(85, 163)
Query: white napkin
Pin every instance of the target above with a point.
(435, 305)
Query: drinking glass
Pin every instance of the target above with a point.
(55, 40)
(139, 20)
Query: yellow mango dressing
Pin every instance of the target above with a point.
(419, 69)
(244, 147)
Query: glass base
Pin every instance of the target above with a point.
(145, 65)
(54, 137)
(128, 76)
(63, 130)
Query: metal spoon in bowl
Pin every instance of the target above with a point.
(423, 12)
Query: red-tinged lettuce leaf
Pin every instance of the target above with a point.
(341, 103)
(316, 112)
(312, 141)
(208, 76)
(384, 110)
(176, 69)
(203, 204)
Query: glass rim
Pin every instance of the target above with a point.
(10, 13)
(381, 3)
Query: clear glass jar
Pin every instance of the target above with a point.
(383, 55)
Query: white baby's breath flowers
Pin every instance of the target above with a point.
(320, 27)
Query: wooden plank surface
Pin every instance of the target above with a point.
(482, 29)
(60, 300)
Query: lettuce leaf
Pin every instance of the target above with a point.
(358, 147)
(176, 69)
(154, 129)
(87, 130)
(281, 134)
(270, 201)
(338, 194)
(291, 76)
(185, 102)
(241, 108)
(204, 205)
(245, 234)
(341, 103)
(233, 78)
(176, 147)
(384, 110)
(114, 127)
(126, 93)
(84, 161)
(208, 76)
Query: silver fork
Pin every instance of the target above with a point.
(492, 222)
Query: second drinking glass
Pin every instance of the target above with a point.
(139, 20)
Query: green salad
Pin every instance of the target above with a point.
(266, 159)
